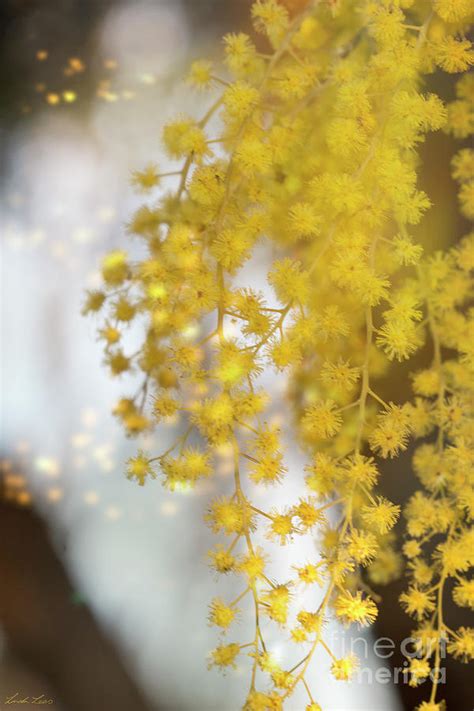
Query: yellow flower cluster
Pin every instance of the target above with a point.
(320, 119)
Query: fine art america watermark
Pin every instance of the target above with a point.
(372, 671)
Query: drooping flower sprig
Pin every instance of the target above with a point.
(314, 152)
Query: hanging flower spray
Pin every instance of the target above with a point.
(316, 154)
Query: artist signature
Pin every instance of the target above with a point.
(18, 698)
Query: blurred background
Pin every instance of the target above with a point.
(104, 585)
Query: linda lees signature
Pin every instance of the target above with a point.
(19, 698)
